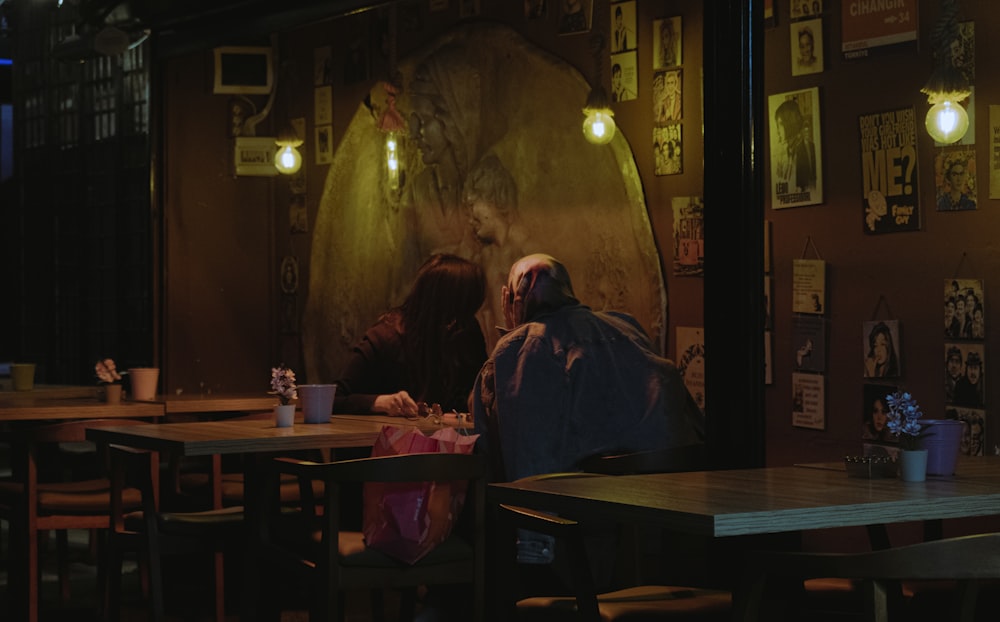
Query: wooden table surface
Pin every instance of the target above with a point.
(203, 438)
(52, 390)
(767, 500)
(193, 403)
(39, 408)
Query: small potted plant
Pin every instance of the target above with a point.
(903, 420)
(283, 385)
(108, 375)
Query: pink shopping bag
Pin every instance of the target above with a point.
(406, 520)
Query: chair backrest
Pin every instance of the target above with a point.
(416, 467)
(966, 559)
(419, 467)
(670, 460)
(570, 532)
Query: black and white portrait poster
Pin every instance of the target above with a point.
(965, 372)
(667, 42)
(964, 309)
(667, 147)
(880, 345)
(889, 171)
(795, 143)
(807, 47)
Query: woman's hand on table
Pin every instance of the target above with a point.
(396, 405)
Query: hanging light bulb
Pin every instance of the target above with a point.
(599, 124)
(392, 125)
(947, 122)
(287, 158)
(392, 158)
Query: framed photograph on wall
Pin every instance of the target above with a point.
(807, 47)
(574, 16)
(246, 70)
(796, 149)
(667, 42)
(622, 33)
(881, 349)
(875, 413)
(964, 309)
(965, 370)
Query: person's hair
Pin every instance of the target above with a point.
(618, 11)
(806, 31)
(616, 68)
(445, 296)
(789, 115)
(953, 163)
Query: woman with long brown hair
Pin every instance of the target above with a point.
(427, 350)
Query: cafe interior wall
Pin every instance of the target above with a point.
(226, 316)
(906, 271)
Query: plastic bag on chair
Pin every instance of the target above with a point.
(406, 520)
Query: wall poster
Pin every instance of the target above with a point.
(868, 25)
(955, 180)
(808, 410)
(796, 160)
(691, 362)
(689, 236)
(889, 171)
(808, 286)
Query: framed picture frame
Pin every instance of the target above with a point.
(245, 70)
(880, 344)
(796, 148)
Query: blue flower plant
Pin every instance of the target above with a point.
(903, 420)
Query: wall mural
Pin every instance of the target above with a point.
(496, 167)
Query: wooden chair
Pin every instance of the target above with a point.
(334, 560)
(40, 498)
(671, 460)
(645, 545)
(968, 560)
(153, 534)
(645, 602)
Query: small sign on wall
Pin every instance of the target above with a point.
(254, 155)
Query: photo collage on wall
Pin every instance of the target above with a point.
(881, 356)
(624, 43)
(794, 117)
(809, 343)
(965, 359)
(668, 90)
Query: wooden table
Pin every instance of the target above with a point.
(177, 406)
(15, 407)
(761, 501)
(259, 439)
(52, 390)
(251, 436)
(757, 502)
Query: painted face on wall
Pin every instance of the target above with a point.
(428, 131)
(484, 220)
